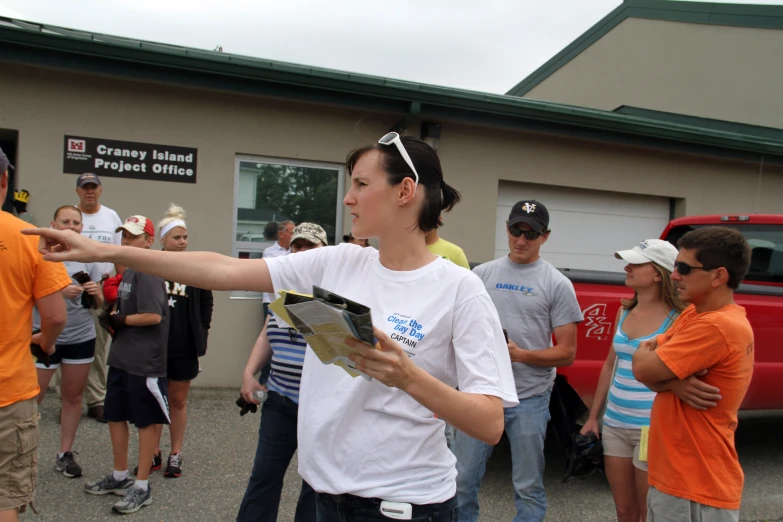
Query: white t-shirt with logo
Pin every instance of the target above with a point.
(361, 437)
(101, 227)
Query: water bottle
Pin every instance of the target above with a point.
(260, 395)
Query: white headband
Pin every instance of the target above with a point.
(168, 226)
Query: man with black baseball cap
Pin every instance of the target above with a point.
(534, 300)
(99, 223)
(531, 212)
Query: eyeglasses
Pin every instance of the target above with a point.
(530, 235)
(685, 268)
(393, 138)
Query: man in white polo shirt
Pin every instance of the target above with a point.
(100, 223)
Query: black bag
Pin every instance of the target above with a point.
(565, 409)
(584, 453)
(38, 352)
(88, 301)
(585, 457)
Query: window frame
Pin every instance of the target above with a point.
(746, 230)
(248, 246)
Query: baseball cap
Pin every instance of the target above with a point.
(656, 250)
(531, 212)
(4, 163)
(310, 232)
(137, 225)
(87, 178)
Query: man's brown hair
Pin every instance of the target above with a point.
(718, 247)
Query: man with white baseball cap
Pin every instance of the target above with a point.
(650, 250)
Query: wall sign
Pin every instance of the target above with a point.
(129, 159)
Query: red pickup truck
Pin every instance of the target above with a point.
(761, 294)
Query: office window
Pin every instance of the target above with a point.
(268, 189)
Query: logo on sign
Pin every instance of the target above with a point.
(597, 324)
(76, 145)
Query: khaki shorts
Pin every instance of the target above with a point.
(18, 453)
(621, 442)
(667, 508)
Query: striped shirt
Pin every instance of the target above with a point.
(288, 352)
(630, 402)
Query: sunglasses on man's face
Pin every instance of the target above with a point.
(393, 138)
(530, 235)
(685, 268)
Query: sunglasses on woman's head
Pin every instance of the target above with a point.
(685, 268)
(530, 235)
(393, 138)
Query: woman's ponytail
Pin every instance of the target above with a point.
(451, 196)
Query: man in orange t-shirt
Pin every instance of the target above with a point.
(694, 471)
(25, 278)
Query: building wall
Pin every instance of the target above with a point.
(711, 71)
(44, 105)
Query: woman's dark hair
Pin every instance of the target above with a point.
(438, 195)
(718, 247)
(70, 207)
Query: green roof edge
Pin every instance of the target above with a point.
(746, 129)
(49, 46)
(737, 15)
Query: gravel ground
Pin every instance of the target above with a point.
(220, 446)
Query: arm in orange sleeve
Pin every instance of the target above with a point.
(696, 347)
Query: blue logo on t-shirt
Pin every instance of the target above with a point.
(406, 329)
(527, 290)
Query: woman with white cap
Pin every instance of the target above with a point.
(652, 309)
(191, 316)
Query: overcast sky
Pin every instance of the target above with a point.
(483, 45)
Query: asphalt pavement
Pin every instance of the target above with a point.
(220, 446)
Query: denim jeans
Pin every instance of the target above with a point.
(526, 430)
(276, 447)
(348, 508)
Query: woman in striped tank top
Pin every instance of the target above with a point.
(277, 440)
(650, 311)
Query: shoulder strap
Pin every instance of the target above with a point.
(622, 318)
(673, 315)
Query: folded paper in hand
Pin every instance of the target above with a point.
(325, 320)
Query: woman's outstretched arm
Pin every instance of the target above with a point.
(206, 270)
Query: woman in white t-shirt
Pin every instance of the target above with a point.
(369, 447)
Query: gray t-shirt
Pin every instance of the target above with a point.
(532, 300)
(80, 326)
(141, 350)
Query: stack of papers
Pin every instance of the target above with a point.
(325, 320)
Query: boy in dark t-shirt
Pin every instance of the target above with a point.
(136, 388)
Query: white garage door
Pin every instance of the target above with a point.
(588, 226)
